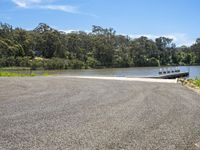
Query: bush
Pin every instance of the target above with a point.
(10, 61)
(91, 62)
(15, 62)
(56, 63)
(197, 82)
(152, 62)
(77, 64)
(3, 62)
(23, 62)
(35, 64)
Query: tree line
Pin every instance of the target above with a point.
(48, 48)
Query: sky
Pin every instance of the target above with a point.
(177, 19)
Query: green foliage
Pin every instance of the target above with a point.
(13, 74)
(35, 64)
(144, 51)
(8, 49)
(91, 62)
(78, 50)
(55, 63)
(7, 62)
(23, 62)
(196, 49)
(153, 62)
(77, 64)
(45, 74)
(197, 82)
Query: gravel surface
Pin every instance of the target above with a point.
(58, 113)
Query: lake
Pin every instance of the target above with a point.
(115, 72)
(127, 72)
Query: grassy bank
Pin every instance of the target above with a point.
(196, 82)
(21, 72)
(15, 68)
(193, 83)
(13, 74)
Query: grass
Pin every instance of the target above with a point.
(45, 74)
(13, 74)
(20, 72)
(196, 82)
(15, 68)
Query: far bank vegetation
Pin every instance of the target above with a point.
(48, 48)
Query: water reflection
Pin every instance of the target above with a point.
(118, 72)
(127, 72)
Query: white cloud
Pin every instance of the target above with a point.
(49, 5)
(26, 3)
(65, 8)
(178, 38)
(44, 4)
(71, 31)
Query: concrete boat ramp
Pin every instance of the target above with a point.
(156, 80)
(162, 78)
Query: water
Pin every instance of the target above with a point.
(128, 72)
(119, 72)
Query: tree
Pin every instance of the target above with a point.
(165, 50)
(49, 48)
(49, 43)
(42, 27)
(6, 31)
(24, 38)
(10, 49)
(196, 49)
(143, 49)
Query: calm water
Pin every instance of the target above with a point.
(128, 72)
(118, 72)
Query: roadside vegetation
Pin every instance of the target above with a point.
(13, 74)
(21, 72)
(48, 48)
(196, 82)
(17, 74)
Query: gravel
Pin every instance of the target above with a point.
(59, 113)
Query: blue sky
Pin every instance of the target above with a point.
(177, 19)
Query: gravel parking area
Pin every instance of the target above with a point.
(60, 113)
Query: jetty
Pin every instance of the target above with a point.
(170, 73)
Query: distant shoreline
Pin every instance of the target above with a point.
(96, 68)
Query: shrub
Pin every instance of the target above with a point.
(91, 62)
(76, 64)
(197, 82)
(35, 64)
(152, 62)
(10, 61)
(3, 62)
(23, 62)
(56, 63)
